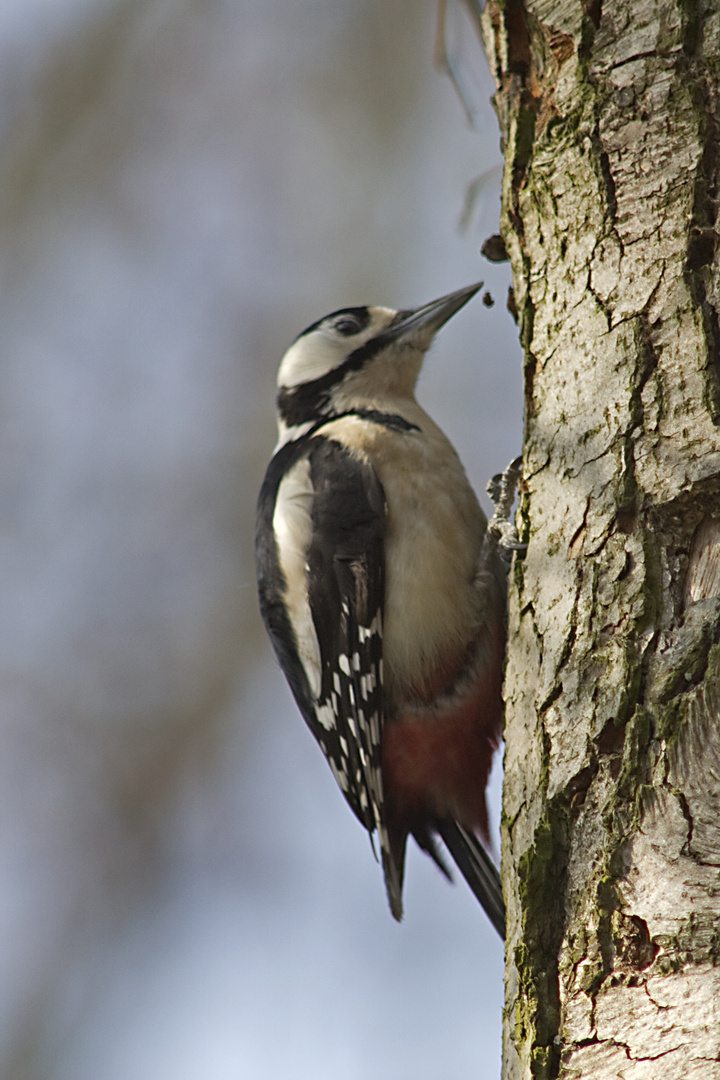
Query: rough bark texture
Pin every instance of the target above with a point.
(611, 832)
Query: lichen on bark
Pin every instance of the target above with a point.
(610, 121)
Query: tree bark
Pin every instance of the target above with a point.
(611, 821)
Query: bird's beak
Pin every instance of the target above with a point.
(427, 320)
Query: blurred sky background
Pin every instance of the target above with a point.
(184, 185)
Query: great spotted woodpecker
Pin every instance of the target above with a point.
(383, 591)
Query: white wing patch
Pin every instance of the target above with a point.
(292, 524)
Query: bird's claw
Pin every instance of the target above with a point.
(501, 489)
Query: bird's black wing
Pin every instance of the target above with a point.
(321, 580)
(346, 588)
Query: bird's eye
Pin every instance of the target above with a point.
(347, 325)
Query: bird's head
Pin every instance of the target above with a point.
(359, 356)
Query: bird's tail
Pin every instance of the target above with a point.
(477, 868)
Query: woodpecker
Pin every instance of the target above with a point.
(383, 591)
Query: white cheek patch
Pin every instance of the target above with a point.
(309, 358)
(315, 354)
(292, 525)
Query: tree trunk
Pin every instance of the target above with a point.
(611, 824)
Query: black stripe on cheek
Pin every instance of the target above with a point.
(302, 404)
(299, 404)
(393, 421)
